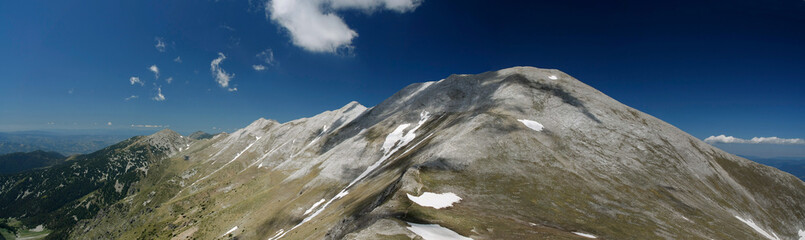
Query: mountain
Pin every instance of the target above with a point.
(66, 144)
(522, 153)
(21, 161)
(200, 135)
(59, 196)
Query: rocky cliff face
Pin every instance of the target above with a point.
(517, 153)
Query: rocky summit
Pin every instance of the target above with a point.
(519, 153)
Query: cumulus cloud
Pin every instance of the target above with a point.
(109, 124)
(314, 25)
(131, 97)
(178, 59)
(135, 80)
(159, 97)
(755, 140)
(259, 67)
(169, 80)
(220, 75)
(155, 70)
(267, 56)
(160, 45)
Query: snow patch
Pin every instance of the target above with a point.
(435, 200)
(394, 137)
(314, 206)
(531, 124)
(801, 234)
(587, 235)
(757, 229)
(553, 77)
(230, 231)
(434, 232)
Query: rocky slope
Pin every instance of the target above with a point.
(517, 153)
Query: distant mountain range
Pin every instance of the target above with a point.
(21, 161)
(519, 153)
(61, 143)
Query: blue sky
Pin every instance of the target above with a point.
(708, 67)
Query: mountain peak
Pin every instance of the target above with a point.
(167, 140)
(351, 105)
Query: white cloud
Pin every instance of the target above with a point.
(259, 67)
(755, 140)
(147, 126)
(178, 59)
(314, 25)
(131, 97)
(220, 75)
(154, 69)
(160, 46)
(169, 80)
(109, 124)
(267, 56)
(134, 80)
(159, 97)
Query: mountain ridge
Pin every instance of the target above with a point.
(520, 153)
(438, 130)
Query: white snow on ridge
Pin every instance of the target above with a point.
(314, 206)
(435, 200)
(230, 230)
(757, 229)
(587, 235)
(394, 137)
(801, 234)
(553, 77)
(394, 141)
(531, 124)
(434, 232)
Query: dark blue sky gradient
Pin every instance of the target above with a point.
(707, 67)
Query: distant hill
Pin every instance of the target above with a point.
(200, 135)
(794, 166)
(64, 144)
(21, 161)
